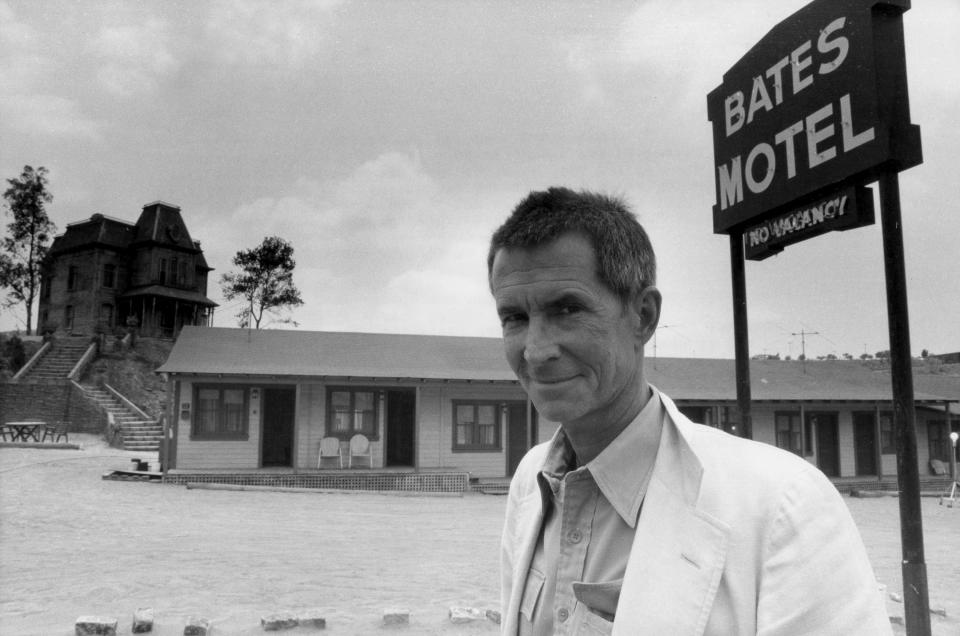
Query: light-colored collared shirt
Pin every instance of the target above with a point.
(590, 516)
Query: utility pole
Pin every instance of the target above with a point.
(803, 344)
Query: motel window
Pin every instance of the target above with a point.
(109, 275)
(351, 411)
(219, 412)
(788, 431)
(476, 426)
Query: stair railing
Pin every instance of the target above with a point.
(85, 359)
(32, 362)
(133, 407)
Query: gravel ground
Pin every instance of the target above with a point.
(72, 544)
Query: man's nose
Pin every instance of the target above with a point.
(540, 345)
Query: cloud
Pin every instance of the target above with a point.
(262, 33)
(134, 57)
(47, 115)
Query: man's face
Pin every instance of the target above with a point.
(575, 347)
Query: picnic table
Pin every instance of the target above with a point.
(24, 431)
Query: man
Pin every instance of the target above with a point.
(631, 519)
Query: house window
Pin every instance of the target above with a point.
(109, 275)
(351, 411)
(182, 274)
(476, 426)
(162, 274)
(45, 286)
(788, 431)
(68, 318)
(73, 276)
(220, 412)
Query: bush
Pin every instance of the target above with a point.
(14, 353)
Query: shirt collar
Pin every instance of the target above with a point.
(622, 469)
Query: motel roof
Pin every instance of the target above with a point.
(228, 352)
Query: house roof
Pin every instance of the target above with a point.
(185, 295)
(269, 352)
(97, 230)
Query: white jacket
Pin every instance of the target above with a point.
(735, 537)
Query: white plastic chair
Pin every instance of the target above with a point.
(330, 449)
(360, 448)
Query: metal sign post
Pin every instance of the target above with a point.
(916, 599)
(740, 340)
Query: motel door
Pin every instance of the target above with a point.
(278, 414)
(401, 418)
(828, 442)
(865, 443)
(519, 438)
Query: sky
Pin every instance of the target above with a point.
(387, 140)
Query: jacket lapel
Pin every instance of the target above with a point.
(529, 517)
(679, 551)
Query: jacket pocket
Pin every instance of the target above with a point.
(586, 623)
(531, 594)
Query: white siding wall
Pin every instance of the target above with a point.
(213, 454)
(311, 415)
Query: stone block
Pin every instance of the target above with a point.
(197, 627)
(396, 617)
(466, 615)
(276, 622)
(312, 618)
(493, 615)
(142, 620)
(95, 626)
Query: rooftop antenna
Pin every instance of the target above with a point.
(659, 327)
(803, 344)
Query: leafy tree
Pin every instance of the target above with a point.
(881, 355)
(264, 281)
(865, 356)
(924, 354)
(23, 251)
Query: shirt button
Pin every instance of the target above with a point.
(563, 614)
(574, 536)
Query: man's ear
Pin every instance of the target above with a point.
(646, 310)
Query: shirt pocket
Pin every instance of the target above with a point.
(531, 594)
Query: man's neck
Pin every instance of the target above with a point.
(589, 438)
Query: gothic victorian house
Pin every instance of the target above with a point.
(103, 272)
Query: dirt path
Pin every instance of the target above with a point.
(72, 544)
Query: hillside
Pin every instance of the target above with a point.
(130, 371)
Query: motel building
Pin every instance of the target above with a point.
(288, 408)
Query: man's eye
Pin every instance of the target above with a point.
(512, 319)
(568, 310)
